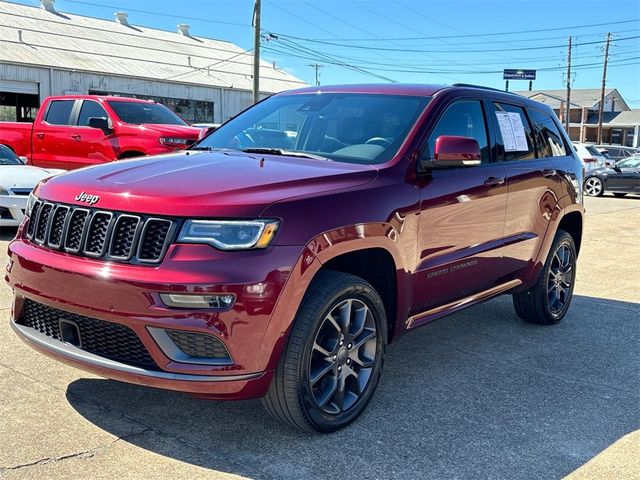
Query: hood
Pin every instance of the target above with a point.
(24, 176)
(203, 184)
(182, 131)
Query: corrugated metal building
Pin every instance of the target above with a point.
(45, 52)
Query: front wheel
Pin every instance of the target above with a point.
(548, 300)
(593, 187)
(333, 359)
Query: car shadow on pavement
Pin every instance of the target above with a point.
(477, 395)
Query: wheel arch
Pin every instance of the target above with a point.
(571, 223)
(131, 154)
(377, 267)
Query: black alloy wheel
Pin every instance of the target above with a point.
(343, 355)
(549, 299)
(333, 359)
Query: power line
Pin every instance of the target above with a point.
(157, 14)
(488, 34)
(584, 66)
(408, 50)
(331, 59)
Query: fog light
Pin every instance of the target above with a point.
(258, 288)
(213, 300)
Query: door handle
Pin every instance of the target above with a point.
(76, 136)
(494, 181)
(40, 135)
(549, 172)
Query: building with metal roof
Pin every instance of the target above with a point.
(46, 52)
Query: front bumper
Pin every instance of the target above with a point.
(129, 295)
(12, 210)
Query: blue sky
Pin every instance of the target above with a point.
(419, 41)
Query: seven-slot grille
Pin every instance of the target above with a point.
(107, 339)
(100, 234)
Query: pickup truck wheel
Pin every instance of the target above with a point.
(333, 359)
(548, 300)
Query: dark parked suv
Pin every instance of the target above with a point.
(279, 256)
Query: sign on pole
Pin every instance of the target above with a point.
(519, 74)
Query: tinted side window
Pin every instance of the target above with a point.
(90, 109)
(548, 136)
(59, 112)
(464, 119)
(512, 148)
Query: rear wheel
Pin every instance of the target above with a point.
(548, 300)
(593, 187)
(333, 359)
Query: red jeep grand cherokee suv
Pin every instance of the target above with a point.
(279, 256)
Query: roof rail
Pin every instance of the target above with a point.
(478, 86)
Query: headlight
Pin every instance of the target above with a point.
(229, 234)
(175, 141)
(4, 191)
(31, 201)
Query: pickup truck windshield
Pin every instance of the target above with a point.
(138, 113)
(345, 127)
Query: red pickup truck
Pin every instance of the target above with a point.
(77, 131)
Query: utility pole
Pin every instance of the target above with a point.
(256, 51)
(604, 83)
(568, 114)
(317, 67)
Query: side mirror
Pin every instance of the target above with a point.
(453, 151)
(24, 160)
(101, 123)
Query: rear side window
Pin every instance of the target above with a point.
(90, 109)
(514, 132)
(593, 151)
(463, 119)
(548, 135)
(59, 112)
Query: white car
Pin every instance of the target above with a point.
(591, 157)
(16, 182)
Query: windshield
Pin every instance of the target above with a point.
(346, 127)
(138, 113)
(593, 151)
(631, 162)
(7, 157)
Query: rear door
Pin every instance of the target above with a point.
(51, 135)
(534, 181)
(89, 146)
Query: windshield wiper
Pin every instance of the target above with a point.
(201, 147)
(283, 152)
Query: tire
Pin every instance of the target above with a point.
(549, 299)
(593, 187)
(300, 394)
(620, 195)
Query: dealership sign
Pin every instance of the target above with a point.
(517, 74)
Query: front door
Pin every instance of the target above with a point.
(51, 136)
(89, 146)
(462, 216)
(626, 178)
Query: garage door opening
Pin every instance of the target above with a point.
(18, 107)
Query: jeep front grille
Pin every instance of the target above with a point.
(116, 236)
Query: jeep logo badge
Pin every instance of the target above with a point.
(87, 198)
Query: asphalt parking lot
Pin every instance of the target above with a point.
(477, 395)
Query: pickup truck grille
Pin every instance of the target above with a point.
(106, 235)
